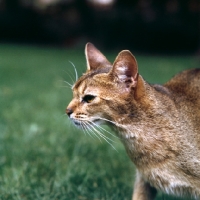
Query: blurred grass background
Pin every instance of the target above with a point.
(42, 156)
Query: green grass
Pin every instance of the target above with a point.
(42, 156)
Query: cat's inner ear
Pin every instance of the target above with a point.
(125, 68)
(95, 59)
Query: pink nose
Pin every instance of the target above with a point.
(69, 111)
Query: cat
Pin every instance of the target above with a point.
(159, 125)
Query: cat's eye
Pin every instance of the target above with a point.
(88, 98)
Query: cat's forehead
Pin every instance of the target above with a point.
(80, 86)
(84, 83)
(89, 83)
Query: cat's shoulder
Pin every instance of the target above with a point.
(187, 75)
(186, 82)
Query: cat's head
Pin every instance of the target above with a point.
(106, 92)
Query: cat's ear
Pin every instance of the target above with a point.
(125, 68)
(95, 59)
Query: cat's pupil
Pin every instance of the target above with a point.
(88, 98)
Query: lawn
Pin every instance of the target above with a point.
(42, 156)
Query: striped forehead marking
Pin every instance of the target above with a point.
(81, 88)
(81, 85)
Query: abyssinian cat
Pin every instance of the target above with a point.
(159, 125)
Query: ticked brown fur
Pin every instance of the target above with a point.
(159, 125)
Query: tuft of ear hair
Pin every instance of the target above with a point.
(95, 59)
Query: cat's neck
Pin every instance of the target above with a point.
(151, 127)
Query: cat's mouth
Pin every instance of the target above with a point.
(81, 123)
(77, 123)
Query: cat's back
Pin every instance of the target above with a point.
(186, 86)
(185, 92)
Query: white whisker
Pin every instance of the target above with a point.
(68, 84)
(106, 120)
(84, 128)
(90, 130)
(74, 70)
(103, 129)
(68, 87)
(70, 75)
(102, 136)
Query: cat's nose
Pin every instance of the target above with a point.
(69, 111)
